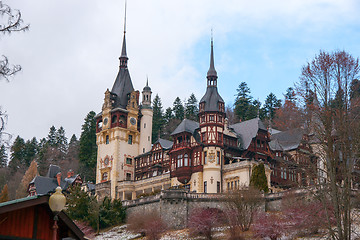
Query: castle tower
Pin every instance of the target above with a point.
(146, 120)
(118, 130)
(212, 117)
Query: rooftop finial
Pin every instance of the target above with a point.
(125, 19)
(123, 57)
(212, 72)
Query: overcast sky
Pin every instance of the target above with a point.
(70, 53)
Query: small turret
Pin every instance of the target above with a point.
(146, 102)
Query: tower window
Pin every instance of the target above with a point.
(104, 176)
(205, 187)
(218, 187)
(218, 157)
(128, 176)
(128, 161)
(107, 139)
(149, 138)
(186, 160)
(211, 118)
(144, 125)
(205, 157)
(130, 139)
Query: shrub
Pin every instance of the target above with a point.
(269, 225)
(202, 221)
(148, 224)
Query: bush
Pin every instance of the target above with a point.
(148, 224)
(202, 221)
(100, 215)
(269, 225)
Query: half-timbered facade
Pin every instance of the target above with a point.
(209, 156)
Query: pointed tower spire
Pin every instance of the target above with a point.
(212, 74)
(123, 58)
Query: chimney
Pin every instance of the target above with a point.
(70, 173)
(58, 177)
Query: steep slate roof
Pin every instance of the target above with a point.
(247, 130)
(290, 139)
(164, 143)
(122, 87)
(53, 170)
(211, 99)
(186, 126)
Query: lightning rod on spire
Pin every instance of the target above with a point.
(125, 19)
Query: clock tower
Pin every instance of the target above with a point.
(123, 129)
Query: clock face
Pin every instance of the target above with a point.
(105, 121)
(132, 121)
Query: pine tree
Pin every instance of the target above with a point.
(258, 178)
(168, 115)
(244, 107)
(87, 147)
(158, 118)
(191, 108)
(43, 164)
(29, 175)
(178, 109)
(61, 140)
(51, 138)
(3, 157)
(17, 158)
(31, 150)
(4, 195)
(271, 105)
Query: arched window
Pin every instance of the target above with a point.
(186, 160)
(107, 139)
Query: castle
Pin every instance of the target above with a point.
(209, 156)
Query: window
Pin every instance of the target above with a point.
(107, 139)
(282, 173)
(130, 139)
(179, 161)
(128, 176)
(205, 187)
(220, 118)
(205, 157)
(203, 136)
(219, 137)
(143, 150)
(148, 138)
(186, 160)
(144, 125)
(218, 187)
(104, 176)
(218, 157)
(228, 186)
(211, 118)
(128, 161)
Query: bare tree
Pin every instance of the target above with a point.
(241, 208)
(325, 88)
(11, 21)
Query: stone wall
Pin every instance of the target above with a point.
(175, 206)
